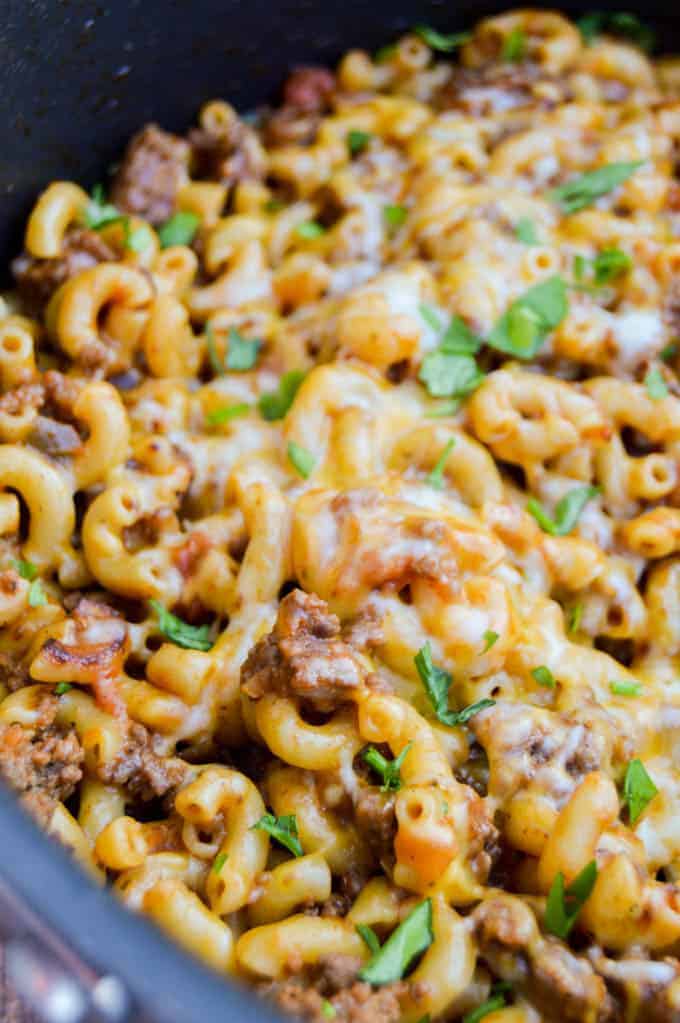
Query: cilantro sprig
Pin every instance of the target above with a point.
(410, 939)
(302, 460)
(496, 1000)
(283, 829)
(436, 477)
(439, 41)
(616, 23)
(524, 326)
(437, 683)
(584, 189)
(389, 770)
(273, 405)
(638, 789)
(179, 229)
(191, 637)
(567, 511)
(566, 902)
(450, 371)
(241, 352)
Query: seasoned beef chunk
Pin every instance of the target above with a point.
(334, 982)
(496, 87)
(152, 170)
(38, 279)
(141, 770)
(234, 155)
(562, 985)
(41, 764)
(307, 96)
(304, 656)
(309, 89)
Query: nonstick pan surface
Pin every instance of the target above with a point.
(76, 80)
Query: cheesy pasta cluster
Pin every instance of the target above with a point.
(340, 530)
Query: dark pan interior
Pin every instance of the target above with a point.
(77, 78)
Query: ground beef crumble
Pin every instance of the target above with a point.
(141, 770)
(333, 981)
(38, 279)
(42, 764)
(153, 168)
(307, 95)
(303, 656)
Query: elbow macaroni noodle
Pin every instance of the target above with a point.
(310, 391)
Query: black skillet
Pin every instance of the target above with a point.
(77, 78)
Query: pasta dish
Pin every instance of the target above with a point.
(340, 529)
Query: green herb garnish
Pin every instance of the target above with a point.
(443, 43)
(328, 1011)
(26, 569)
(179, 229)
(524, 326)
(274, 404)
(36, 594)
(219, 862)
(565, 904)
(567, 511)
(657, 387)
(99, 213)
(310, 229)
(544, 676)
(436, 477)
(514, 46)
(283, 830)
(638, 789)
(412, 937)
(437, 683)
(61, 688)
(225, 413)
(574, 618)
(495, 1001)
(301, 459)
(191, 637)
(586, 188)
(490, 638)
(525, 229)
(389, 770)
(242, 351)
(625, 687)
(369, 937)
(615, 23)
(449, 376)
(357, 141)
(394, 215)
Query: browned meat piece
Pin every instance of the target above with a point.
(307, 96)
(41, 764)
(560, 984)
(349, 886)
(13, 674)
(38, 279)
(672, 307)
(143, 772)
(309, 89)
(304, 656)
(54, 438)
(61, 393)
(496, 87)
(233, 156)
(376, 821)
(151, 172)
(15, 402)
(333, 982)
